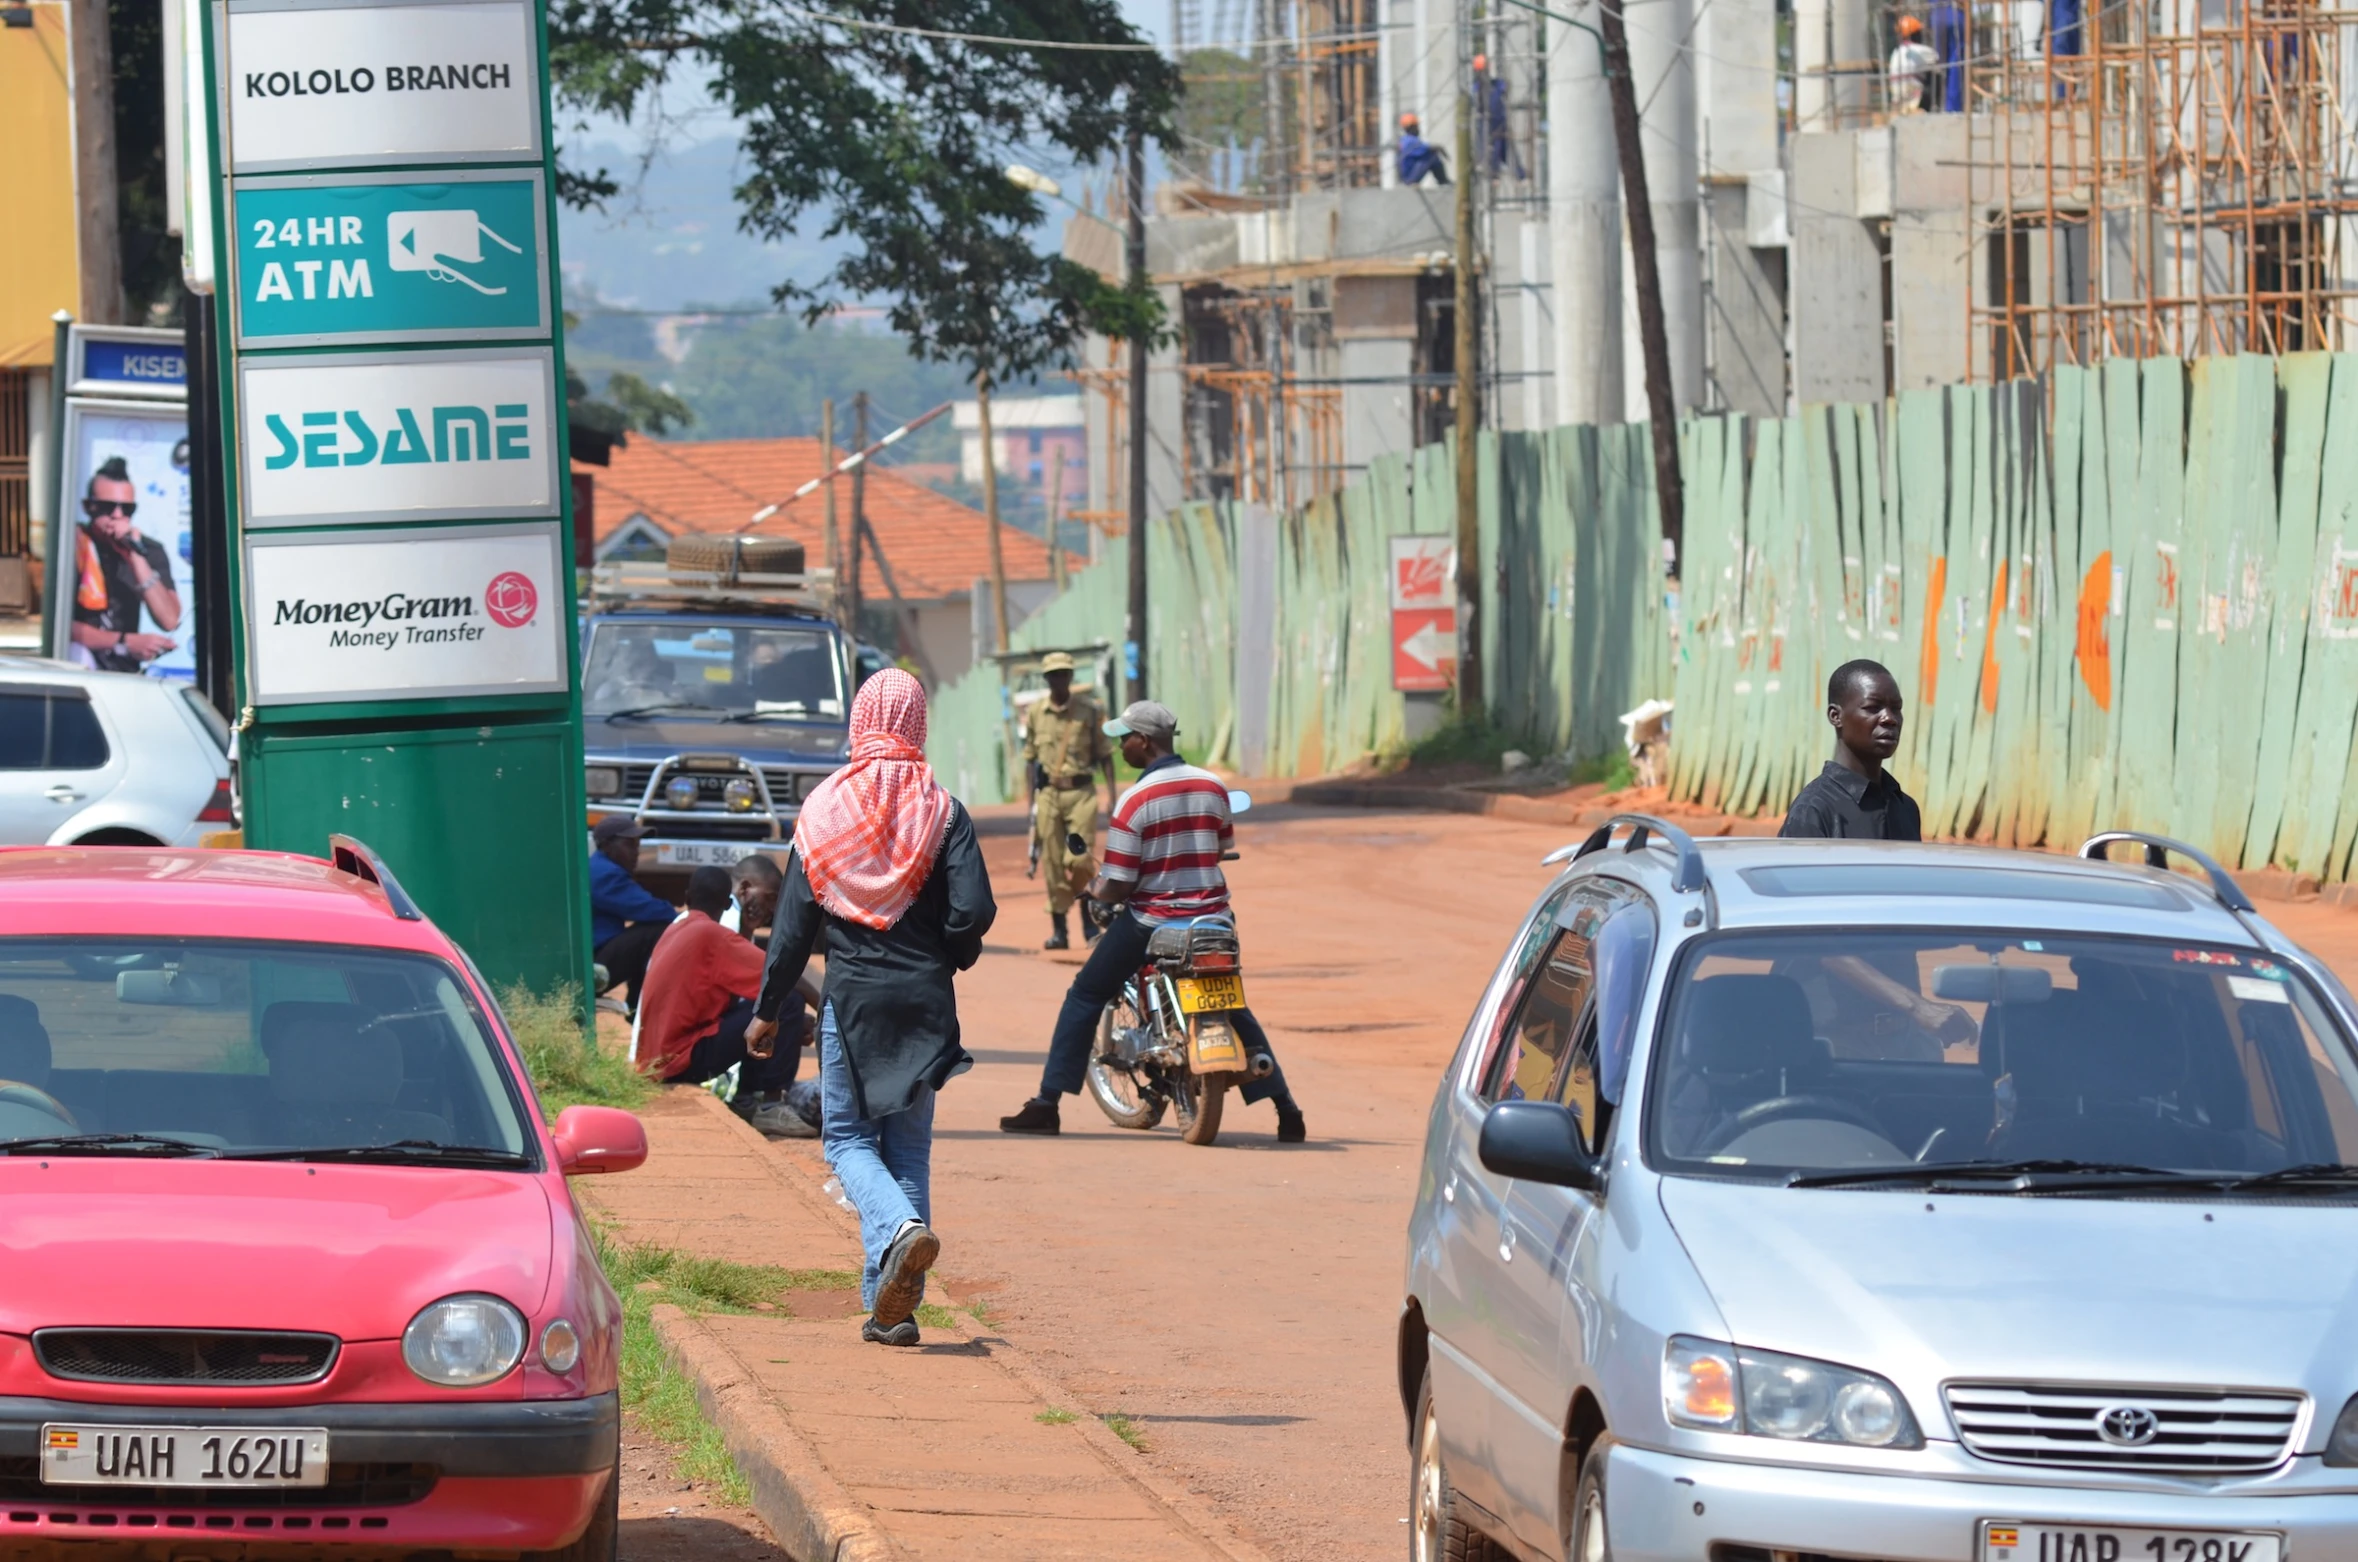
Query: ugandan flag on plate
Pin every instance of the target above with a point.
(60, 1437)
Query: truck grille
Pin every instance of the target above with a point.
(184, 1356)
(2212, 1431)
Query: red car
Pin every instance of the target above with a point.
(286, 1255)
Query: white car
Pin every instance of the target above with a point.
(108, 759)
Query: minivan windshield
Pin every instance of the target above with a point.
(220, 1048)
(698, 669)
(1831, 1051)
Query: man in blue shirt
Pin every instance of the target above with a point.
(1419, 160)
(625, 916)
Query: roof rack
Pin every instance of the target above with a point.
(2157, 855)
(812, 590)
(350, 856)
(1686, 878)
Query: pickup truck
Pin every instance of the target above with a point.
(711, 706)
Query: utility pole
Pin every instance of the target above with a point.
(859, 509)
(1139, 346)
(990, 466)
(1056, 526)
(1469, 488)
(98, 228)
(827, 462)
(1669, 488)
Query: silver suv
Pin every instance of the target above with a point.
(1789, 1200)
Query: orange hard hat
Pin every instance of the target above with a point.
(1408, 121)
(1909, 26)
(1481, 62)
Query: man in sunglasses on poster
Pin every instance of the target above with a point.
(117, 572)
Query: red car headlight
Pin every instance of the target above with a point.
(464, 1341)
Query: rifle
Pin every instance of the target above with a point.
(1034, 774)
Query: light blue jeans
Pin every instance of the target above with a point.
(884, 1163)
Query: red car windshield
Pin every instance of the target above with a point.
(214, 1047)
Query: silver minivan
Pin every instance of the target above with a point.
(1794, 1200)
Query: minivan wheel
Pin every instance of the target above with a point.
(1436, 1532)
(1591, 1540)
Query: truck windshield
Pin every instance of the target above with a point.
(680, 666)
(1826, 1051)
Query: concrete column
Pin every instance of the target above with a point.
(1836, 280)
(1661, 59)
(1584, 226)
(1854, 58)
(1932, 250)
(1813, 97)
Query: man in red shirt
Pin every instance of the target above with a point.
(701, 983)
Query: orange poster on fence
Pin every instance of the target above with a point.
(2095, 644)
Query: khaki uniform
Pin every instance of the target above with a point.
(1071, 748)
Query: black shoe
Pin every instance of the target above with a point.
(1290, 1129)
(1034, 1117)
(902, 1333)
(900, 1279)
(1062, 938)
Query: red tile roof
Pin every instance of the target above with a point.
(936, 546)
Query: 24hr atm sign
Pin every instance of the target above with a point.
(347, 259)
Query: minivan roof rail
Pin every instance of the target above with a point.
(350, 856)
(1686, 878)
(2157, 855)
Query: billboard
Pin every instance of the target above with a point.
(125, 600)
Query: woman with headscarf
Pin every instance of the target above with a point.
(886, 869)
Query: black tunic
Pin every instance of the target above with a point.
(894, 1007)
(1843, 805)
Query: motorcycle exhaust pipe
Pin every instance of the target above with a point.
(1263, 1065)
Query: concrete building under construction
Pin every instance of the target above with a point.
(2039, 182)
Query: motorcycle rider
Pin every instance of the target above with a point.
(1161, 864)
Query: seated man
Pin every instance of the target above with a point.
(701, 981)
(625, 916)
(756, 883)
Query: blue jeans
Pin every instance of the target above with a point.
(884, 1163)
(1120, 951)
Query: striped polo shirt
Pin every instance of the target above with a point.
(1167, 833)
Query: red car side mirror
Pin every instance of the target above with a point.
(598, 1139)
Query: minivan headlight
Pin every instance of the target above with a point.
(2341, 1449)
(1712, 1387)
(464, 1341)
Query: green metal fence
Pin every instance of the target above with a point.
(2124, 596)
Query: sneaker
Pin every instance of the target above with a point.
(1034, 1117)
(781, 1121)
(1290, 1128)
(900, 1280)
(902, 1333)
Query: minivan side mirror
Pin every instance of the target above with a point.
(598, 1139)
(1537, 1141)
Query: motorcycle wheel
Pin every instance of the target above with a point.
(1204, 1126)
(1117, 1090)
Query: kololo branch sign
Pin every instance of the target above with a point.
(410, 615)
(328, 86)
(358, 438)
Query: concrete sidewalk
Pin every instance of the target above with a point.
(863, 1451)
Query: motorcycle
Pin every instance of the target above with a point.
(1170, 1042)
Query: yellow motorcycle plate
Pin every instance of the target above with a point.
(1210, 994)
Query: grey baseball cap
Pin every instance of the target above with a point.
(1145, 718)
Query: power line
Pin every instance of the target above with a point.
(863, 24)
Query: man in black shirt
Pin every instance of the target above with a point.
(1854, 797)
(120, 572)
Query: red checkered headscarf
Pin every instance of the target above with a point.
(870, 832)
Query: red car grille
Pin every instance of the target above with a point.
(163, 1356)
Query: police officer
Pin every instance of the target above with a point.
(1064, 750)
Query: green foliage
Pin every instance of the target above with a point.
(646, 407)
(931, 1315)
(657, 1395)
(1226, 100)
(1611, 768)
(761, 378)
(900, 141)
(1127, 1430)
(1464, 740)
(1054, 1417)
(567, 1067)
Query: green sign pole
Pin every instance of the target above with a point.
(395, 455)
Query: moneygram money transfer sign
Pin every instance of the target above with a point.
(342, 86)
(444, 612)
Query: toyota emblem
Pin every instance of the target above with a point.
(2127, 1426)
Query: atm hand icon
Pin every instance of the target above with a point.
(431, 241)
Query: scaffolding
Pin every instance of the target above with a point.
(2166, 177)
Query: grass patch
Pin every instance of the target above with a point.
(567, 1066)
(933, 1316)
(1056, 1418)
(1464, 741)
(1125, 1429)
(1612, 768)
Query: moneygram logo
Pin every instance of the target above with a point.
(511, 600)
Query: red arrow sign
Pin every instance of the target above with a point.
(1424, 649)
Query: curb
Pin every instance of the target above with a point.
(812, 1516)
(776, 1459)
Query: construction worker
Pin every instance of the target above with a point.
(1065, 749)
(1912, 69)
(1419, 159)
